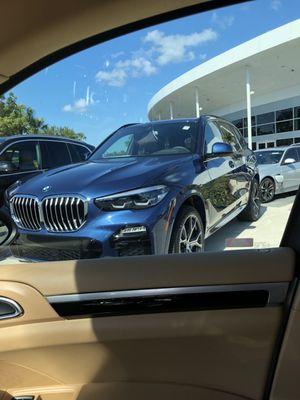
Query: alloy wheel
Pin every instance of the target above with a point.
(255, 199)
(267, 190)
(191, 235)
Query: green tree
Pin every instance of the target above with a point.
(18, 119)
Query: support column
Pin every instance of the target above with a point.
(248, 93)
(197, 104)
(171, 110)
(159, 115)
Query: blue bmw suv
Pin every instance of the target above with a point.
(152, 188)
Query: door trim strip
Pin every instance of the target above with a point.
(189, 298)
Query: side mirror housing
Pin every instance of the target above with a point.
(220, 149)
(288, 161)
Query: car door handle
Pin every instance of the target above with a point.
(231, 164)
(9, 308)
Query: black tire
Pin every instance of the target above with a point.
(182, 222)
(267, 190)
(253, 208)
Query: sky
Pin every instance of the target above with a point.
(106, 86)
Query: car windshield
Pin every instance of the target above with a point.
(159, 139)
(268, 157)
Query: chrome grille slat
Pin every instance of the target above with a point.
(25, 212)
(59, 213)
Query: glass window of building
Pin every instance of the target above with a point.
(265, 118)
(297, 125)
(283, 115)
(285, 126)
(297, 112)
(284, 142)
(267, 129)
(238, 123)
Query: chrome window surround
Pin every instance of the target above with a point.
(277, 292)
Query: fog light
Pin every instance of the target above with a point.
(133, 230)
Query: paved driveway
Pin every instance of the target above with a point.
(266, 232)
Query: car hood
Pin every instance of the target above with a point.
(268, 169)
(106, 177)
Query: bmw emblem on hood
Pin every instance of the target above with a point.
(46, 189)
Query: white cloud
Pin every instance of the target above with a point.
(223, 22)
(275, 5)
(123, 69)
(160, 49)
(80, 105)
(174, 48)
(115, 77)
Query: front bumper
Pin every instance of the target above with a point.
(100, 236)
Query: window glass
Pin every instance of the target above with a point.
(238, 123)
(144, 101)
(291, 153)
(120, 148)
(229, 135)
(212, 136)
(157, 139)
(78, 153)
(297, 124)
(270, 144)
(285, 126)
(253, 121)
(265, 118)
(297, 112)
(297, 140)
(22, 156)
(284, 114)
(268, 157)
(267, 129)
(284, 142)
(55, 154)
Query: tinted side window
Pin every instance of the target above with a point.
(22, 156)
(211, 135)
(229, 136)
(291, 153)
(78, 153)
(55, 154)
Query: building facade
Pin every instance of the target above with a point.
(259, 78)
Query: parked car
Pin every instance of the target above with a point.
(149, 188)
(22, 157)
(279, 171)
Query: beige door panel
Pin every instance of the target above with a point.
(224, 351)
(252, 266)
(286, 381)
(209, 354)
(34, 305)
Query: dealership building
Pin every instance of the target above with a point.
(256, 85)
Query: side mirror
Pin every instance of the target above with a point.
(220, 149)
(288, 161)
(6, 166)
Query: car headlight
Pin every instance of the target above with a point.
(133, 199)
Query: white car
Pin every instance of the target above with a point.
(279, 171)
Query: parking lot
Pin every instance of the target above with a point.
(264, 233)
